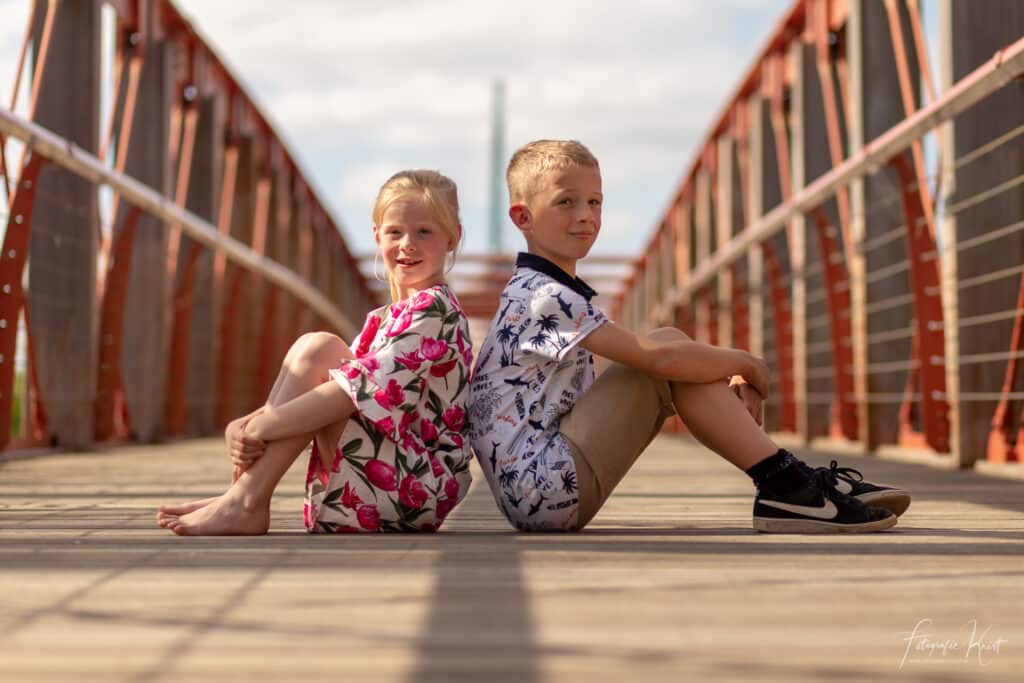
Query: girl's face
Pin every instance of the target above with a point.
(413, 245)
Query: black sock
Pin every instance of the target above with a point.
(778, 473)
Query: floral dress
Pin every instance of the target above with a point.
(402, 462)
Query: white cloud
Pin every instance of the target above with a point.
(360, 89)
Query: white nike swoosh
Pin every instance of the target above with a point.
(843, 486)
(826, 511)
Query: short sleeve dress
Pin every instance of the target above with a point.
(402, 462)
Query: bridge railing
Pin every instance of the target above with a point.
(162, 245)
(862, 232)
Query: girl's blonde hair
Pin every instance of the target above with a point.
(437, 190)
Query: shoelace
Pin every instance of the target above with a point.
(834, 471)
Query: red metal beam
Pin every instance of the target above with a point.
(111, 412)
(837, 289)
(12, 268)
(924, 280)
(1004, 438)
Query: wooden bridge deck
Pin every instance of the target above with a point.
(669, 584)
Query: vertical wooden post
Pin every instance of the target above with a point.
(797, 238)
(62, 251)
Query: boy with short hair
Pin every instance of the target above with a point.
(553, 442)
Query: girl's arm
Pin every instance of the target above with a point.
(303, 415)
(679, 361)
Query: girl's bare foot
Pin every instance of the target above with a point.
(166, 513)
(228, 515)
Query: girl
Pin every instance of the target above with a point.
(386, 417)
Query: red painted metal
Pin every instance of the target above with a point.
(265, 348)
(175, 412)
(37, 409)
(782, 320)
(924, 277)
(224, 286)
(740, 312)
(844, 409)
(12, 268)
(111, 412)
(1004, 437)
(833, 122)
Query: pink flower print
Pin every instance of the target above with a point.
(399, 325)
(442, 369)
(367, 335)
(339, 455)
(349, 499)
(369, 517)
(381, 474)
(308, 515)
(411, 492)
(421, 301)
(413, 360)
(454, 418)
(350, 370)
(370, 363)
(386, 426)
(467, 358)
(345, 529)
(458, 340)
(390, 396)
(451, 489)
(432, 349)
(428, 431)
(397, 307)
(457, 440)
(444, 507)
(435, 467)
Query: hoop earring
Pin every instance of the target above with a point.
(377, 276)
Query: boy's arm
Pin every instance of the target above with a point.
(680, 360)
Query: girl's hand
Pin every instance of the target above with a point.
(243, 449)
(750, 397)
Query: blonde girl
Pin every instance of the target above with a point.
(386, 415)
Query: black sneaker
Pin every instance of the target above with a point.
(851, 482)
(817, 509)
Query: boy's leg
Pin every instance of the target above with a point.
(609, 427)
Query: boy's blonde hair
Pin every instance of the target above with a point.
(534, 160)
(437, 190)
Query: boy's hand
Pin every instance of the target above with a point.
(243, 449)
(756, 373)
(752, 400)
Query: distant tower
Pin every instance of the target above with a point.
(497, 165)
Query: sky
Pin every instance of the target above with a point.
(359, 90)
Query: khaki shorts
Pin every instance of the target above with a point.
(608, 429)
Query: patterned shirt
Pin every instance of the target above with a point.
(402, 462)
(530, 372)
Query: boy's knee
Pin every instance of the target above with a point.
(668, 334)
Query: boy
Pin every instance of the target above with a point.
(553, 442)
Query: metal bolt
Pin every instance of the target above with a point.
(11, 254)
(1, 358)
(134, 38)
(3, 323)
(27, 184)
(7, 289)
(190, 92)
(18, 219)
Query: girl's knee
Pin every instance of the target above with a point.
(668, 334)
(314, 349)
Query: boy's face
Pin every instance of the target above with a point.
(561, 220)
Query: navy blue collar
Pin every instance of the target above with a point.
(542, 265)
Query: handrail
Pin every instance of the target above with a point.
(68, 155)
(1003, 67)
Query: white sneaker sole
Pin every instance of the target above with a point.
(775, 525)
